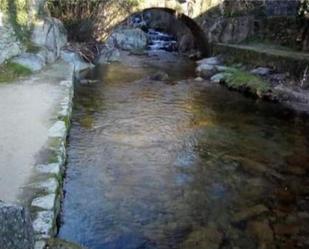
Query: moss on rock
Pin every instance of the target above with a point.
(240, 80)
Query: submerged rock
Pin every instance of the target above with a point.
(210, 238)
(249, 212)
(109, 55)
(206, 70)
(262, 232)
(16, 230)
(210, 61)
(220, 77)
(261, 71)
(159, 76)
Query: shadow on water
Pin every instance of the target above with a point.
(186, 165)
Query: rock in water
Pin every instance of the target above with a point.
(128, 39)
(109, 55)
(209, 61)
(261, 71)
(206, 71)
(203, 238)
(159, 76)
(16, 230)
(220, 77)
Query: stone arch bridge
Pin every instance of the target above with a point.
(184, 11)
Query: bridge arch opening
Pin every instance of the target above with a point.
(188, 35)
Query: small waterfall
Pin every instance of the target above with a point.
(161, 41)
(157, 40)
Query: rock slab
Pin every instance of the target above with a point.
(16, 230)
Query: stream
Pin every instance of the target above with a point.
(182, 164)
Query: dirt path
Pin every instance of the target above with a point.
(26, 109)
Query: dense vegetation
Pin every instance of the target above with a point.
(81, 17)
(18, 14)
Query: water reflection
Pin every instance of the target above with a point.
(153, 165)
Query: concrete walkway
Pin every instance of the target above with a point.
(27, 110)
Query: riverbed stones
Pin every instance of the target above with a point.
(159, 76)
(209, 61)
(209, 237)
(220, 77)
(262, 232)
(16, 230)
(109, 55)
(261, 71)
(249, 212)
(206, 70)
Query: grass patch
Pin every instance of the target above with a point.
(10, 71)
(244, 81)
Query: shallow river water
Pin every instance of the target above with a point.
(183, 164)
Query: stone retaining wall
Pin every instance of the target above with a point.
(279, 60)
(47, 188)
(46, 204)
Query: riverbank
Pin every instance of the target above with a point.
(266, 73)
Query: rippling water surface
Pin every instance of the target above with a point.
(185, 164)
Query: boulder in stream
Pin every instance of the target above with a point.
(128, 39)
